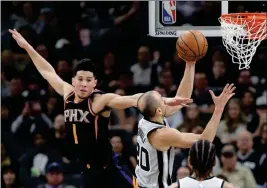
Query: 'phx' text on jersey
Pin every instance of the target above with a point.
(87, 131)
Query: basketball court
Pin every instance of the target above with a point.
(172, 18)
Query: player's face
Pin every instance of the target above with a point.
(84, 82)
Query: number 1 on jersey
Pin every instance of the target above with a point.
(75, 133)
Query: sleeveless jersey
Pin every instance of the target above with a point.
(189, 182)
(87, 132)
(154, 168)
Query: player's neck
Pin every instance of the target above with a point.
(201, 178)
(157, 119)
(77, 99)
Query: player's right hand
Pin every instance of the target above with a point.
(221, 100)
(19, 39)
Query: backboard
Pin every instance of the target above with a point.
(172, 18)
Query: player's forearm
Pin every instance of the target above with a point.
(211, 128)
(40, 63)
(186, 86)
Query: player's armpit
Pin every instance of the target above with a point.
(164, 138)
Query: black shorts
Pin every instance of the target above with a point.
(113, 176)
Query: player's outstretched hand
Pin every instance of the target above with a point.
(178, 101)
(221, 100)
(19, 39)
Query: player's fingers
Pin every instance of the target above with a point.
(225, 87)
(232, 89)
(184, 105)
(11, 31)
(231, 95)
(212, 94)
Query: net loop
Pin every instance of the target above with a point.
(241, 35)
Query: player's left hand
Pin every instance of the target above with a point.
(178, 101)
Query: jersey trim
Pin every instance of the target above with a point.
(160, 167)
(208, 178)
(222, 184)
(178, 183)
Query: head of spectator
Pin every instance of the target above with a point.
(59, 125)
(109, 61)
(7, 58)
(28, 12)
(244, 142)
(244, 78)
(228, 158)
(54, 174)
(143, 56)
(234, 115)
(261, 108)
(9, 178)
(247, 99)
(16, 87)
(42, 50)
(191, 119)
(117, 144)
(183, 172)
(201, 81)
(85, 37)
(263, 133)
(218, 69)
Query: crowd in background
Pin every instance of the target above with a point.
(114, 36)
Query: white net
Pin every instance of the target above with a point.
(242, 40)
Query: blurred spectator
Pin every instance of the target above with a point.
(248, 105)
(218, 78)
(244, 83)
(64, 71)
(260, 116)
(237, 174)
(183, 172)
(5, 86)
(5, 159)
(118, 148)
(110, 75)
(233, 123)
(250, 158)
(191, 119)
(166, 83)
(201, 95)
(32, 119)
(9, 177)
(260, 142)
(54, 177)
(15, 98)
(145, 73)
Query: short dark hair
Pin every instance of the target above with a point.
(150, 105)
(85, 65)
(202, 158)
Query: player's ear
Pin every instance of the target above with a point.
(95, 82)
(73, 81)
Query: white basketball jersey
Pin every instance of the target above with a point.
(154, 168)
(190, 182)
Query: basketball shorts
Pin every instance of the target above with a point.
(113, 176)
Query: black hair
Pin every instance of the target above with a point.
(150, 105)
(202, 158)
(85, 65)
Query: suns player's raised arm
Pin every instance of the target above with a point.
(44, 68)
(185, 88)
(172, 137)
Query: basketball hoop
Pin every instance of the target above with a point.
(242, 33)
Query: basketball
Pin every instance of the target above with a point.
(192, 45)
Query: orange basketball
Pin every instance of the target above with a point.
(192, 45)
